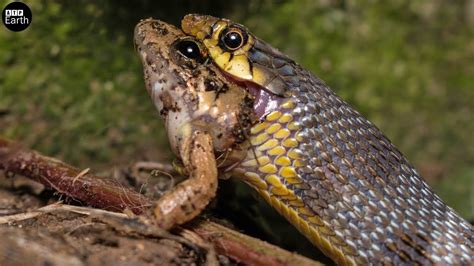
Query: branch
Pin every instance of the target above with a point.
(109, 194)
(245, 249)
(104, 193)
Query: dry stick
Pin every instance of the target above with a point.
(257, 252)
(78, 184)
(109, 194)
(28, 215)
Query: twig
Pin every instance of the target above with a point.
(211, 258)
(245, 249)
(80, 185)
(81, 174)
(109, 194)
(28, 215)
(162, 167)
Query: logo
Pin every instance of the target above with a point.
(16, 16)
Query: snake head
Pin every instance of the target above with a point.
(236, 51)
(189, 93)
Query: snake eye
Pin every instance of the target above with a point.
(188, 49)
(233, 38)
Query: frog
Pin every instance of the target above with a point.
(207, 117)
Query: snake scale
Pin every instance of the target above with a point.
(314, 158)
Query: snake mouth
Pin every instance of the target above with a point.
(264, 101)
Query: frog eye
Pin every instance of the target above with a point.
(188, 49)
(233, 38)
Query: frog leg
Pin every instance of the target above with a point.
(190, 197)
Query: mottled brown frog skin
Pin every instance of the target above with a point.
(205, 115)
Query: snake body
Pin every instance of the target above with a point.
(329, 170)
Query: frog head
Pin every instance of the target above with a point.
(190, 93)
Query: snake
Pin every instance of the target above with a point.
(315, 159)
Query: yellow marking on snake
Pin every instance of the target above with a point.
(288, 105)
(268, 145)
(297, 163)
(223, 59)
(282, 161)
(262, 160)
(294, 126)
(275, 172)
(278, 150)
(282, 133)
(273, 116)
(255, 180)
(239, 66)
(279, 191)
(259, 76)
(290, 143)
(299, 137)
(288, 172)
(259, 139)
(273, 128)
(285, 118)
(268, 169)
(273, 180)
(293, 180)
(298, 203)
(293, 154)
(259, 127)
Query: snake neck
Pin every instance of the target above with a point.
(344, 185)
(271, 167)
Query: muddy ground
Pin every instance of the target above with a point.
(39, 231)
(61, 235)
(67, 238)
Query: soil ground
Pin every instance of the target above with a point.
(67, 238)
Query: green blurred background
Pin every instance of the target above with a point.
(71, 85)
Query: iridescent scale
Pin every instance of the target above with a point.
(344, 185)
